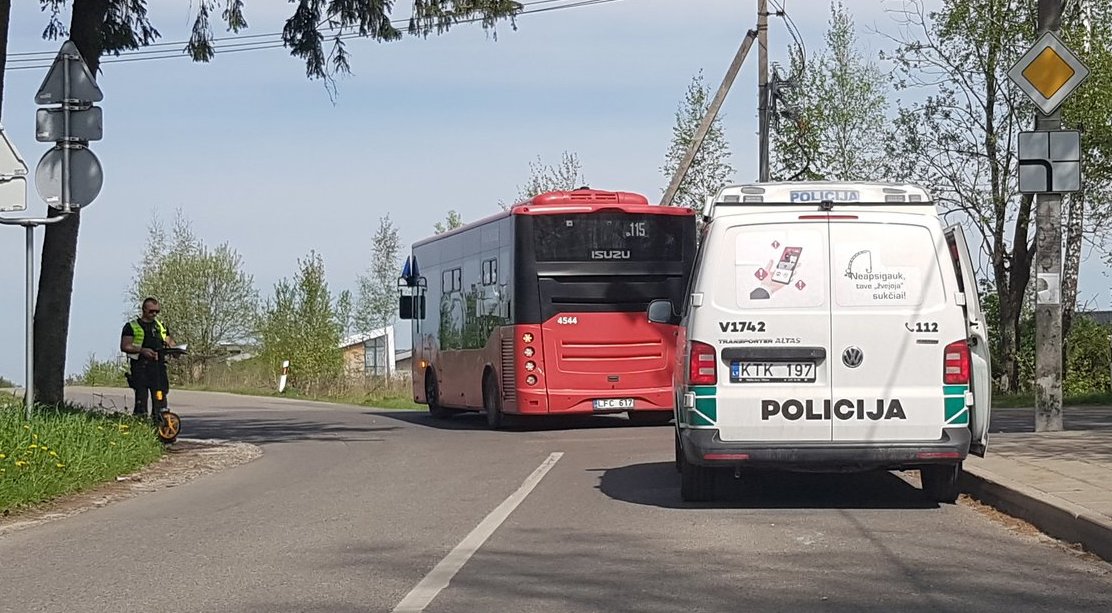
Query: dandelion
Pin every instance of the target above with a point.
(32, 446)
(60, 465)
(26, 427)
(2, 456)
(113, 443)
(54, 453)
(21, 463)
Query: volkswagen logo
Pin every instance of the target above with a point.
(853, 356)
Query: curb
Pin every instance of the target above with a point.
(1054, 516)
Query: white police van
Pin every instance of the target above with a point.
(829, 327)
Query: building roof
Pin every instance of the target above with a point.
(1101, 317)
(359, 339)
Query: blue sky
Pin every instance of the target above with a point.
(260, 157)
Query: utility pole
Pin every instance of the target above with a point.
(708, 119)
(1048, 315)
(762, 86)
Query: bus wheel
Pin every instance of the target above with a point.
(649, 418)
(940, 482)
(432, 397)
(492, 402)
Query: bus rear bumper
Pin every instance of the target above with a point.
(561, 402)
(703, 447)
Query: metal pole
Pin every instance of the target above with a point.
(66, 134)
(712, 112)
(762, 87)
(1048, 315)
(29, 386)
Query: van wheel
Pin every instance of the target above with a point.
(649, 418)
(432, 397)
(940, 482)
(492, 403)
(697, 483)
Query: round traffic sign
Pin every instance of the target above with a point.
(85, 177)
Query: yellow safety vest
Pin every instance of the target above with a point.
(137, 335)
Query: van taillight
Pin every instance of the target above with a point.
(702, 366)
(955, 363)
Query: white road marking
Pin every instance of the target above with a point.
(438, 578)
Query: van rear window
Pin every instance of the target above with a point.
(884, 265)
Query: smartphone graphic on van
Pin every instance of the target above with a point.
(785, 268)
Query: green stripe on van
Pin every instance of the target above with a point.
(705, 412)
(704, 390)
(957, 413)
(954, 390)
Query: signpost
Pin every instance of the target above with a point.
(1049, 165)
(68, 176)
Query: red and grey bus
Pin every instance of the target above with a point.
(540, 309)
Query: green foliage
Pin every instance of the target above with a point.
(710, 169)
(451, 222)
(6, 382)
(838, 106)
(567, 175)
(377, 306)
(98, 373)
(313, 25)
(64, 450)
(208, 300)
(300, 323)
(1088, 359)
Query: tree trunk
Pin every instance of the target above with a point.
(59, 247)
(1071, 265)
(1006, 330)
(5, 19)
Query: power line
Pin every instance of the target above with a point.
(255, 42)
(781, 7)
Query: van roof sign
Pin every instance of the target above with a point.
(820, 195)
(743, 198)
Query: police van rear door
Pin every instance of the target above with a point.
(771, 324)
(890, 325)
(977, 329)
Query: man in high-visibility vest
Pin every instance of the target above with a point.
(140, 340)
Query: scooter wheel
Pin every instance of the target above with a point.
(169, 427)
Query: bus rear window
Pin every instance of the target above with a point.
(588, 237)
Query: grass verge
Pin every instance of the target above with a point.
(1026, 400)
(65, 450)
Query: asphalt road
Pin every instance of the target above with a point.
(351, 509)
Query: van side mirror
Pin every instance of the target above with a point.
(411, 307)
(661, 312)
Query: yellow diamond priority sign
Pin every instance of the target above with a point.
(1048, 73)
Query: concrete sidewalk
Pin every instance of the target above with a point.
(1061, 482)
